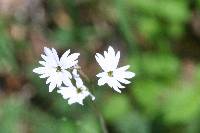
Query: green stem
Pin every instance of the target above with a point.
(103, 125)
(100, 117)
(94, 106)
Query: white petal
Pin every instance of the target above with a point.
(47, 51)
(92, 96)
(64, 56)
(44, 76)
(124, 81)
(51, 57)
(72, 63)
(116, 89)
(66, 92)
(101, 61)
(59, 82)
(42, 63)
(111, 51)
(117, 59)
(54, 52)
(73, 56)
(128, 74)
(52, 86)
(111, 60)
(122, 73)
(44, 57)
(113, 83)
(67, 81)
(67, 74)
(48, 80)
(102, 81)
(101, 74)
(70, 93)
(39, 70)
(71, 101)
(75, 73)
(106, 55)
(69, 61)
(124, 68)
(80, 101)
(116, 83)
(79, 82)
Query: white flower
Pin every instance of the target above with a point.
(112, 75)
(77, 93)
(55, 69)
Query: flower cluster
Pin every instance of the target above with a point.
(63, 73)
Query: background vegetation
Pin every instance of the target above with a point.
(160, 39)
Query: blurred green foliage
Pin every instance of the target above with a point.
(158, 38)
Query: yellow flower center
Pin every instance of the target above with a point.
(78, 90)
(110, 73)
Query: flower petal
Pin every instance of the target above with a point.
(52, 86)
(42, 63)
(111, 51)
(117, 57)
(116, 89)
(101, 61)
(101, 74)
(69, 61)
(47, 51)
(64, 57)
(54, 52)
(124, 68)
(102, 81)
(128, 74)
(44, 75)
(39, 70)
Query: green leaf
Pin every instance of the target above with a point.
(116, 107)
(149, 94)
(133, 123)
(182, 105)
(88, 124)
(163, 66)
(174, 11)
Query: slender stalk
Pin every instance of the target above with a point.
(100, 117)
(94, 106)
(103, 124)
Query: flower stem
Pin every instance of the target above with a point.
(100, 117)
(94, 106)
(103, 125)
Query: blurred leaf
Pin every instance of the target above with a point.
(116, 107)
(148, 94)
(132, 123)
(10, 115)
(145, 6)
(198, 3)
(88, 124)
(41, 122)
(193, 126)
(7, 57)
(182, 105)
(164, 66)
(174, 11)
(176, 30)
(197, 73)
(63, 37)
(149, 27)
(124, 23)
